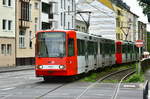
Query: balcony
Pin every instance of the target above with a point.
(24, 24)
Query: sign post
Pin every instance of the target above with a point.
(139, 44)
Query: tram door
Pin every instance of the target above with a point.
(86, 56)
(95, 54)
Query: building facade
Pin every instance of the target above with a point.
(100, 16)
(34, 15)
(27, 16)
(142, 33)
(57, 14)
(7, 33)
(133, 26)
(122, 26)
(126, 21)
(80, 26)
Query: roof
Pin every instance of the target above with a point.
(107, 3)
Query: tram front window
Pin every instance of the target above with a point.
(51, 44)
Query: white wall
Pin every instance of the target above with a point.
(57, 10)
(7, 13)
(102, 21)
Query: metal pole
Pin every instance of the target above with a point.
(139, 65)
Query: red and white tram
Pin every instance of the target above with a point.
(68, 53)
(126, 52)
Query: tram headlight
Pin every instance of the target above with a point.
(61, 67)
(40, 67)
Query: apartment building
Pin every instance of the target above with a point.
(133, 26)
(27, 23)
(101, 17)
(126, 21)
(7, 33)
(142, 33)
(34, 15)
(57, 14)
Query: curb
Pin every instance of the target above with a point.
(14, 70)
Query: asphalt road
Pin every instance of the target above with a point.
(24, 85)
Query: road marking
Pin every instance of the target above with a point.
(129, 86)
(5, 89)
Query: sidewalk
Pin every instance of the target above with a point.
(17, 68)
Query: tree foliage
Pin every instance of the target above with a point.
(145, 6)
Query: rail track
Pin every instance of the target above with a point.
(127, 74)
(52, 90)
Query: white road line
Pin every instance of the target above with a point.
(5, 89)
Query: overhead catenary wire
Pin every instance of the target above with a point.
(98, 10)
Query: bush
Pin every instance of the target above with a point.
(135, 78)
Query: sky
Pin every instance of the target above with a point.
(135, 8)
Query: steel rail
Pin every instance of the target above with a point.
(101, 79)
(39, 97)
(118, 87)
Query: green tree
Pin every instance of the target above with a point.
(145, 4)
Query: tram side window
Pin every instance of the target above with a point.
(113, 48)
(90, 48)
(123, 48)
(81, 47)
(70, 47)
(119, 48)
(95, 47)
(100, 45)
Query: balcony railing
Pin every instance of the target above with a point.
(24, 24)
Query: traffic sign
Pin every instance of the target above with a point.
(139, 43)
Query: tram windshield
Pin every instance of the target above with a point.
(51, 44)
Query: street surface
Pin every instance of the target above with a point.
(24, 85)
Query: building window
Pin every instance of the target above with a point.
(30, 12)
(61, 19)
(46, 25)
(36, 20)
(9, 49)
(64, 19)
(9, 2)
(64, 4)
(72, 22)
(68, 10)
(36, 5)
(30, 42)
(4, 24)
(3, 49)
(45, 8)
(25, 10)
(61, 3)
(4, 2)
(72, 5)
(9, 25)
(83, 29)
(78, 28)
(68, 25)
(22, 39)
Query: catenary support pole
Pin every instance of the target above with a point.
(139, 65)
